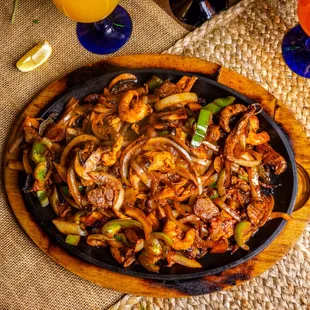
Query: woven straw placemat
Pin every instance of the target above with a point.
(29, 279)
(247, 39)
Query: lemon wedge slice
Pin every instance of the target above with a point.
(35, 57)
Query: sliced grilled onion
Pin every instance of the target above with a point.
(276, 215)
(183, 260)
(224, 207)
(243, 162)
(144, 176)
(182, 151)
(177, 99)
(126, 157)
(73, 143)
(213, 147)
(73, 186)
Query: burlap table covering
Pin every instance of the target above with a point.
(28, 278)
(247, 39)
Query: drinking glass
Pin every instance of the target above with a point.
(196, 12)
(103, 26)
(296, 43)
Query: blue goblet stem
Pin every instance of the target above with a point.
(108, 35)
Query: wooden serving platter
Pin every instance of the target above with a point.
(128, 284)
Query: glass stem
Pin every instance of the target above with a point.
(308, 44)
(106, 27)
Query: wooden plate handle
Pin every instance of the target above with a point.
(303, 193)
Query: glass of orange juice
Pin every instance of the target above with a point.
(103, 26)
(296, 43)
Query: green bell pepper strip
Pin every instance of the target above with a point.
(112, 227)
(201, 128)
(243, 231)
(73, 239)
(153, 246)
(77, 216)
(37, 153)
(149, 261)
(213, 185)
(154, 82)
(163, 133)
(224, 102)
(190, 122)
(216, 195)
(40, 172)
(42, 195)
(65, 189)
(243, 177)
(218, 104)
(212, 107)
(204, 117)
(122, 238)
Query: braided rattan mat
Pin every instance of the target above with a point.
(247, 39)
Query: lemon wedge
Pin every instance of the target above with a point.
(35, 57)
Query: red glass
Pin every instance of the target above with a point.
(304, 15)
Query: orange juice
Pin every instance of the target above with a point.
(86, 11)
(304, 15)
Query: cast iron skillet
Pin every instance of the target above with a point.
(213, 263)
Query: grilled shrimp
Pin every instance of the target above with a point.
(227, 113)
(133, 110)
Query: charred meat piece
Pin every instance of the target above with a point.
(206, 209)
(31, 134)
(167, 119)
(92, 219)
(220, 228)
(121, 254)
(213, 133)
(227, 113)
(101, 198)
(91, 98)
(272, 158)
(167, 89)
(221, 246)
(259, 210)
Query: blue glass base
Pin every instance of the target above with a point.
(296, 51)
(108, 35)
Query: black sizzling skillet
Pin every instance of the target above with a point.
(213, 263)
